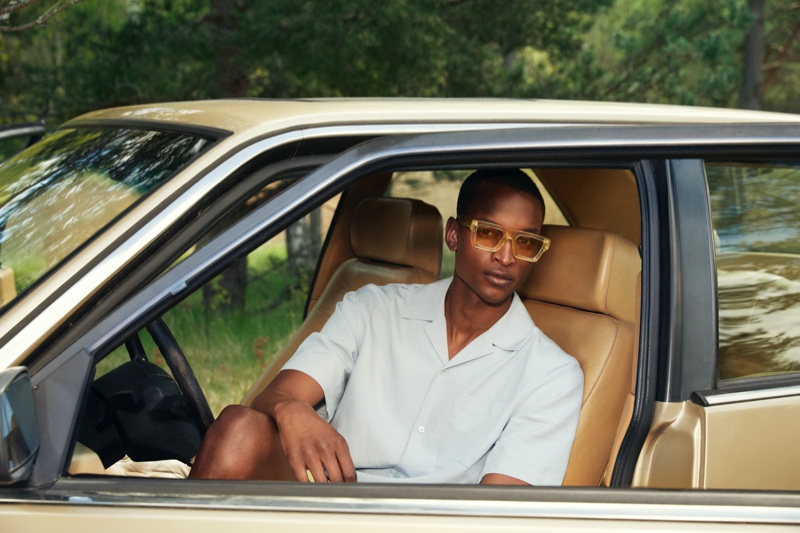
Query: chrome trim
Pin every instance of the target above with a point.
(622, 138)
(721, 397)
(644, 512)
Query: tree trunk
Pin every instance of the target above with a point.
(750, 95)
(233, 79)
(303, 243)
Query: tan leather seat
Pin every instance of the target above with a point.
(395, 240)
(582, 294)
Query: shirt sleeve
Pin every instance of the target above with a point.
(329, 355)
(536, 443)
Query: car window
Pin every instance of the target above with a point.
(757, 241)
(59, 193)
(237, 325)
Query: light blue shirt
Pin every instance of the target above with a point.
(508, 403)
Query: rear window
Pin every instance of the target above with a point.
(757, 239)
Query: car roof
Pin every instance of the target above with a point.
(260, 116)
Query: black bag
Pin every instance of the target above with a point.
(137, 409)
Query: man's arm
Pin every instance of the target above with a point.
(309, 442)
(535, 443)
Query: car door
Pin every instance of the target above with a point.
(735, 413)
(676, 344)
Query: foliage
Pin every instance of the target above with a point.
(102, 53)
(113, 52)
(781, 66)
(675, 51)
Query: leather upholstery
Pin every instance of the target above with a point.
(627, 410)
(398, 231)
(582, 294)
(396, 240)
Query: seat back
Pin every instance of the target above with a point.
(582, 295)
(395, 240)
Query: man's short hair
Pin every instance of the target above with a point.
(507, 177)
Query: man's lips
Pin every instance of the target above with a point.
(500, 279)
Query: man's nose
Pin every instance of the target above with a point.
(505, 255)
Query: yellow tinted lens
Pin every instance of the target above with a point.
(527, 246)
(488, 236)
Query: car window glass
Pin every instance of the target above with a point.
(59, 193)
(757, 241)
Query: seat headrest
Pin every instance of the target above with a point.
(586, 269)
(401, 231)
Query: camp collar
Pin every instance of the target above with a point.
(508, 333)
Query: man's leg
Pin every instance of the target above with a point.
(242, 444)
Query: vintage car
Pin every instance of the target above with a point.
(161, 261)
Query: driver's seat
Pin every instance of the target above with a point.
(395, 240)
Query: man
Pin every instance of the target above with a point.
(443, 383)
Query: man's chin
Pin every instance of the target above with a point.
(496, 298)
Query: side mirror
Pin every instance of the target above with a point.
(19, 431)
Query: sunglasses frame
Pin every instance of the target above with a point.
(508, 235)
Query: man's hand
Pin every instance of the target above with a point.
(312, 444)
(308, 442)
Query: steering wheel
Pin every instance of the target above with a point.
(182, 372)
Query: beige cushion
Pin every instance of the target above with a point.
(399, 231)
(586, 269)
(582, 294)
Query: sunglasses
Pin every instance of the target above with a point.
(491, 237)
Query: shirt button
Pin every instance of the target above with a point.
(421, 429)
(444, 371)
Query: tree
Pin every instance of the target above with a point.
(750, 95)
(781, 64)
(23, 9)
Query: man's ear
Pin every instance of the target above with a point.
(451, 234)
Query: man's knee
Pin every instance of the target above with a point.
(234, 444)
(240, 423)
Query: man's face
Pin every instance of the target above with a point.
(494, 276)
